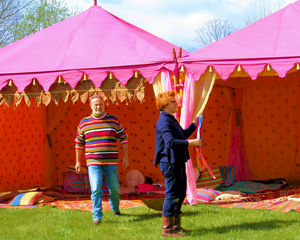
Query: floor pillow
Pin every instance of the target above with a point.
(206, 194)
(205, 180)
(228, 175)
(25, 199)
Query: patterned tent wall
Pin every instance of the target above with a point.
(270, 118)
(23, 137)
(21, 140)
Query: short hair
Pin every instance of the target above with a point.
(96, 96)
(164, 99)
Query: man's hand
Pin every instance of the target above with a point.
(78, 168)
(125, 162)
(78, 163)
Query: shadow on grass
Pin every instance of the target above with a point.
(154, 214)
(260, 225)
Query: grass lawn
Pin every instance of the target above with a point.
(207, 222)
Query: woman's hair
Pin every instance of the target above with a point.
(163, 99)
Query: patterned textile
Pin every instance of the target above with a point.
(207, 195)
(86, 205)
(228, 175)
(25, 199)
(252, 187)
(278, 200)
(79, 183)
(99, 137)
(283, 206)
(207, 181)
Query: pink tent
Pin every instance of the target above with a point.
(260, 145)
(94, 51)
(273, 40)
(94, 42)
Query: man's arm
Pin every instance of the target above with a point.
(125, 153)
(78, 160)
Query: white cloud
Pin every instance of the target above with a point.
(153, 16)
(174, 20)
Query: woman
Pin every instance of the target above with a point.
(171, 153)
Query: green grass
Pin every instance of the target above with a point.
(206, 222)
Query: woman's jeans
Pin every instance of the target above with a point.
(96, 182)
(175, 181)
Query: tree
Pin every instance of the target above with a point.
(10, 11)
(262, 8)
(212, 31)
(38, 16)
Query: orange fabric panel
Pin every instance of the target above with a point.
(138, 119)
(215, 127)
(270, 128)
(21, 140)
(270, 118)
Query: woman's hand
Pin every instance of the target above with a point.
(196, 120)
(195, 142)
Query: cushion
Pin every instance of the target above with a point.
(134, 177)
(228, 175)
(206, 194)
(76, 183)
(80, 183)
(207, 181)
(25, 199)
(145, 188)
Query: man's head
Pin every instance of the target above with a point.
(97, 104)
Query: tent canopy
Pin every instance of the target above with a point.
(273, 40)
(95, 43)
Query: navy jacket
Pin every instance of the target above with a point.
(170, 140)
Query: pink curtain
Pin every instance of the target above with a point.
(185, 120)
(166, 80)
(236, 152)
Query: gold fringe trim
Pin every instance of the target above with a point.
(111, 90)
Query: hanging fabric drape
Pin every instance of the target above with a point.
(235, 149)
(195, 97)
(162, 82)
(203, 88)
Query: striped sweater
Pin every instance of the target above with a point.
(98, 135)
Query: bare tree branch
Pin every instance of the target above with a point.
(212, 31)
(263, 8)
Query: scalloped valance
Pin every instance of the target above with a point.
(111, 90)
(269, 46)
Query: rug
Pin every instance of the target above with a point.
(252, 187)
(284, 206)
(8, 206)
(86, 205)
(278, 200)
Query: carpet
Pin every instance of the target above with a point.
(284, 206)
(278, 200)
(252, 187)
(86, 205)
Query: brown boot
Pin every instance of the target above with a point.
(168, 229)
(177, 225)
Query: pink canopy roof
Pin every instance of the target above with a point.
(272, 40)
(94, 42)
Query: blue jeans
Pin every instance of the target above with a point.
(175, 181)
(96, 182)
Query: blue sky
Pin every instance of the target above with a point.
(177, 20)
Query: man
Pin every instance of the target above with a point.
(98, 134)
